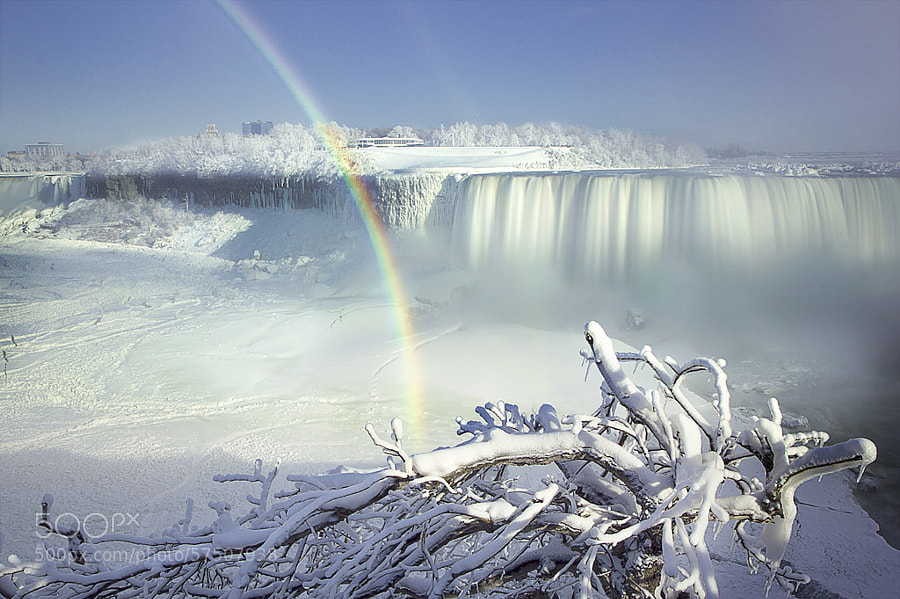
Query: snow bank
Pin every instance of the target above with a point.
(471, 159)
(825, 165)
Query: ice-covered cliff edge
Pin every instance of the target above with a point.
(405, 201)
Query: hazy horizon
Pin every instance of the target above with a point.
(766, 76)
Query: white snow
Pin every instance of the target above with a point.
(464, 159)
(140, 370)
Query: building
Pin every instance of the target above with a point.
(43, 149)
(211, 130)
(256, 128)
(387, 142)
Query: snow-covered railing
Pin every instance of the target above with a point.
(612, 503)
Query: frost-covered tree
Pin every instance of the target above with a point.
(614, 503)
(294, 150)
(289, 150)
(613, 148)
(402, 131)
(69, 163)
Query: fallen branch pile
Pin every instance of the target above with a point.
(616, 503)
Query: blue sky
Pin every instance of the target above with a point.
(767, 75)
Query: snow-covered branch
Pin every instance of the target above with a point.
(613, 503)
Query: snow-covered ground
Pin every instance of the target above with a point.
(468, 159)
(148, 349)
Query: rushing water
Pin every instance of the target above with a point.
(617, 227)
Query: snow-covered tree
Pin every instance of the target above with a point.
(69, 163)
(614, 503)
(402, 131)
(294, 150)
(613, 148)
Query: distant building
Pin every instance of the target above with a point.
(43, 149)
(387, 142)
(16, 154)
(256, 128)
(211, 130)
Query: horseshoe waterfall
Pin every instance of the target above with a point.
(612, 228)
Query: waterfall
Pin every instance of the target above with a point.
(34, 190)
(611, 228)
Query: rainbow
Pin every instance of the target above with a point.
(375, 226)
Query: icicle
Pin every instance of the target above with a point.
(859, 476)
(717, 528)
